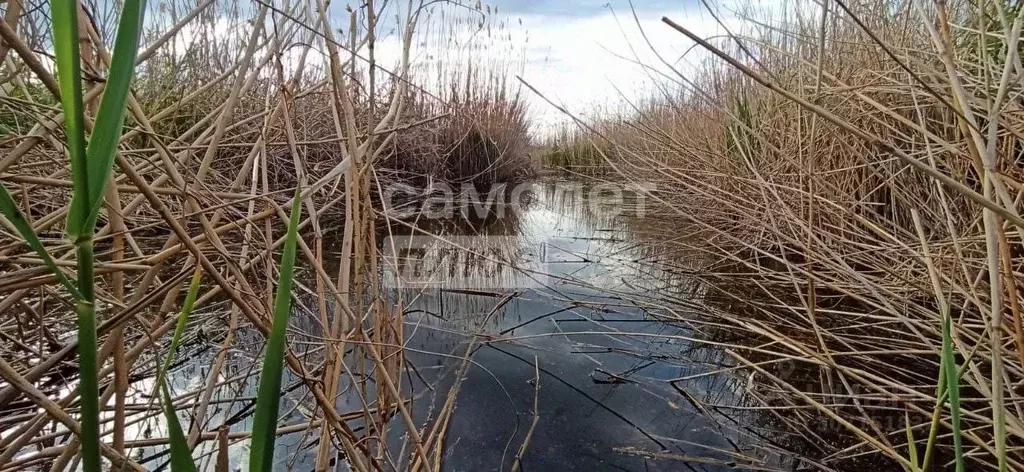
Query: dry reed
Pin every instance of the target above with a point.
(798, 155)
(234, 106)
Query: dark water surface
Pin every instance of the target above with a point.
(559, 286)
(582, 313)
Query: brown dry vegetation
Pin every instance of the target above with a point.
(855, 174)
(235, 105)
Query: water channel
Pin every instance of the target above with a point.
(558, 287)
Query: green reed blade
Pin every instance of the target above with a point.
(953, 387)
(911, 444)
(181, 455)
(69, 74)
(9, 208)
(949, 375)
(933, 433)
(264, 425)
(80, 225)
(110, 119)
(179, 329)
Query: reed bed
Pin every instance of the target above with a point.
(573, 150)
(238, 112)
(852, 171)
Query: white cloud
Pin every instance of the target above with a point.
(587, 63)
(593, 64)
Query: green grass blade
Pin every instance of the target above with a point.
(949, 375)
(264, 426)
(69, 74)
(110, 119)
(952, 387)
(933, 432)
(181, 455)
(179, 329)
(10, 210)
(911, 444)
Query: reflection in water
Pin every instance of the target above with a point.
(620, 388)
(555, 285)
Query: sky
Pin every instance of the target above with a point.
(583, 55)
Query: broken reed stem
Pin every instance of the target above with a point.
(536, 417)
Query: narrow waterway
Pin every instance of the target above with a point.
(555, 286)
(561, 285)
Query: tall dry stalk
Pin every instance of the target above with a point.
(222, 123)
(799, 153)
